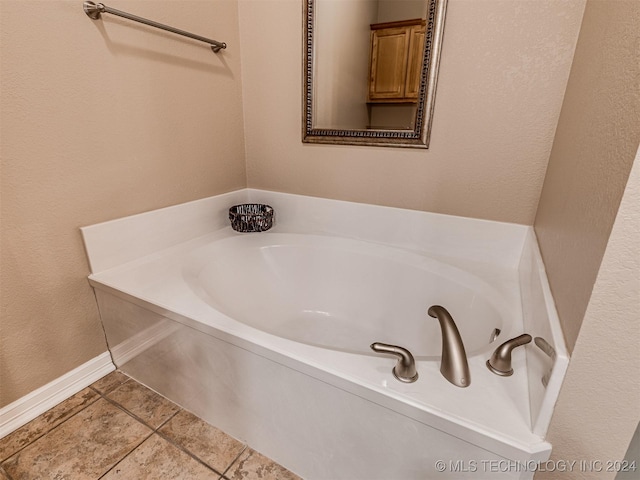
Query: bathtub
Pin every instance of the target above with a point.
(266, 335)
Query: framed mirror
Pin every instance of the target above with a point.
(370, 71)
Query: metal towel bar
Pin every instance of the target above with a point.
(94, 10)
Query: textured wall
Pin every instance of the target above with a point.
(343, 62)
(503, 74)
(597, 411)
(597, 138)
(99, 120)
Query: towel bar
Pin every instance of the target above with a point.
(93, 10)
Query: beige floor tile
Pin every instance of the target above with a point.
(110, 381)
(253, 466)
(144, 403)
(45, 422)
(209, 444)
(84, 447)
(158, 459)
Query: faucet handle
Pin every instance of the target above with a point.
(500, 361)
(405, 369)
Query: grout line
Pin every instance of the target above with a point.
(184, 449)
(127, 454)
(47, 432)
(131, 414)
(170, 440)
(2, 470)
(156, 430)
(170, 418)
(136, 418)
(235, 459)
(115, 387)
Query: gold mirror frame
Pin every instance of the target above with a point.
(416, 138)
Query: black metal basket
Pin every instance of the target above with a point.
(251, 217)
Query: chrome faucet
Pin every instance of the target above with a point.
(405, 369)
(453, 365)
(500, 361)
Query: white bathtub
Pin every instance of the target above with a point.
(343, 294)
(267, 335)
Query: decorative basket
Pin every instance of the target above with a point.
(251, 217)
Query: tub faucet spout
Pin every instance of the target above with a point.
(453, 366)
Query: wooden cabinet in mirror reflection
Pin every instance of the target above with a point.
(395, 65)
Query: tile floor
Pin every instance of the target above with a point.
(119, 429)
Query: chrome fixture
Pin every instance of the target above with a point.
(543, 345)
(93, 10)
(500, 361)
(453, 365)
(405, 369)
(494, 334)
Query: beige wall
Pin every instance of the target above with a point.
(502, 79)
(395, 10)
(342, 62)
(597, 138)
(99, 120)
(597, 412)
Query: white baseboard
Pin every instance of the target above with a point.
(25, 409)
